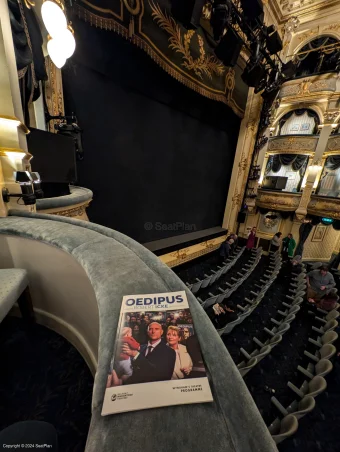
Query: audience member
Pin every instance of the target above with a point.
(319, 282)
(251, 239)
(289, 267)
(328, 301)
(288, 246)
(225, 249)
(275, 242)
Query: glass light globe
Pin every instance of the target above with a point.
(56, 52)
(54, 18)
(66, 40)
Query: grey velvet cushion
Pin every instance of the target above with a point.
(13, 282)
(117, 265)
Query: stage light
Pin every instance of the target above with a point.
(219, 18)
(53, 16)
(188, 12)
(253, 74)
(252, 8)
(37, 185)
(274, 43)
(229, 48)
(24, 179)
(56, 52)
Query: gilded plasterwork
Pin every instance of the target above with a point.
(324, 207)
(278, 201)
(205, 64)
(333, 144)
(192, 252)
(54, 92)
(309, 86)
(291, 145)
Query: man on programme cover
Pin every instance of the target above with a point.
(154, 361)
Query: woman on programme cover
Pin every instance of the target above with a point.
(183, 364)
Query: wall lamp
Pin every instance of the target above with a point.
(29, 185)
(61, 43)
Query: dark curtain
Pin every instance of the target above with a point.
(156, 153)
(300, 112)
(333, 162)
(304, 232)
(275, 162)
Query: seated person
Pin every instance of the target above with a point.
(291, 266)
(328, 301)
(319, 283)
(225, 249)
(220, 314)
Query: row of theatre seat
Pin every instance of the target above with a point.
(319, 366)
(209, 280)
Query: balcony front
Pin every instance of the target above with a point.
(324, 206)
(293, 144)
(278, 200)
(309, 87)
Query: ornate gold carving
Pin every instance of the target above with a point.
(242, 164)
(278, 201)
(291, 25)
(331, 117)
(335, 26)
(308, 86)
(324, 207)
(74, 212)
(192, 252)
(309, 34)
(54, 92)
(207, 9)
(235, 201)
(133, 6)
(29, 3)
(204, 65)
(333, 144)
(292, 145)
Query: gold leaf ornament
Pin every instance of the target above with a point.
(204, 65)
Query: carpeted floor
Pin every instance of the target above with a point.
(43, 377)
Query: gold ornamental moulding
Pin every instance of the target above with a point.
(320, 206)
(289, 144)
(278, 201)
(4, 151)
(21, 125)
(309, 86)
(333, 146)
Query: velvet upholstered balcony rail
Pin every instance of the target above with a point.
(117, 265)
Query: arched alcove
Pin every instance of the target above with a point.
(312, 61)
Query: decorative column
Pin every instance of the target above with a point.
(13, 146)
(314, 170)
(243, 157)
